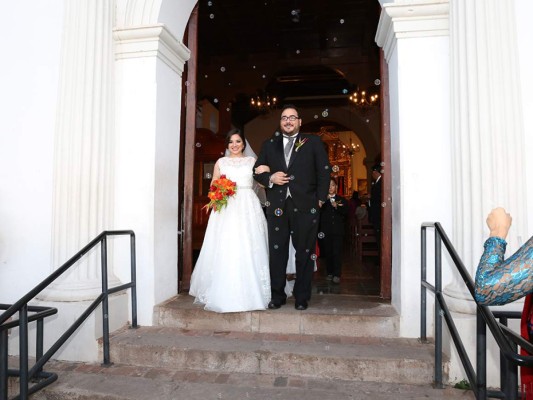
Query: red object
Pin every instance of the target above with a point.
(219, 192)
(526, 373)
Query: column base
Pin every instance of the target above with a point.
(68, 290)
(83, 344)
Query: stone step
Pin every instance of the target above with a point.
(121, 382)
(339, 315)
(392, 360)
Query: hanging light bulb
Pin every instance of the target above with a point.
(263, 103)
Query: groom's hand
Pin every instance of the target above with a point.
(279, 178)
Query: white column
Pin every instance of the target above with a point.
(83, 179)
(487, 148)
(486, 129)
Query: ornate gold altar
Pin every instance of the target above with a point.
(339, 154)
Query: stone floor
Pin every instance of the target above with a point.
(359, 277)
(120, 382)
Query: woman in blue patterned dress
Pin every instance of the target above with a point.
(500, 281)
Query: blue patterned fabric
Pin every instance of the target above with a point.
(500, 281)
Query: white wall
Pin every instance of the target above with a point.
(175, 15)
(524, 29)
(167, 150)
(30, 39)
(421, 164)
(396, 202)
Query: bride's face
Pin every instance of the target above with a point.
(235, 145)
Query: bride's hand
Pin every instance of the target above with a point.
(262, 168)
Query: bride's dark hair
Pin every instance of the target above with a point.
(235, 132)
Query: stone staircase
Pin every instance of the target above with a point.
(342, 347)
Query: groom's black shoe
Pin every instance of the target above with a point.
(301, 306)
(274, 305)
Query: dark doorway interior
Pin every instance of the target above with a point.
(360, 275)
(309, 53)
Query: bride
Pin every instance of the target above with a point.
(232, 271)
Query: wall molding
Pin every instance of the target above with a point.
(414, 19)
(151, 41)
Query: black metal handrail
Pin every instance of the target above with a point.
(506, 339)
(23, 308)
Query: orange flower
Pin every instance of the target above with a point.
(219, 192)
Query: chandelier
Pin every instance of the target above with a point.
(263, 103)
(353, 148)
(364, 101)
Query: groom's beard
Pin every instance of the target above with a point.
(295, 131)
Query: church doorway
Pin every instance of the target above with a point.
(234, 66)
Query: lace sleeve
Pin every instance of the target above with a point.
(500, 281)
(258, 189)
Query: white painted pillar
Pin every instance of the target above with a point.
(414, 38)
(487, 148)
(149, 64)
(487, 131)
(83, 177)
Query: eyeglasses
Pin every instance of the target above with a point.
(291, 118)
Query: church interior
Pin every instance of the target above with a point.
(253, 57)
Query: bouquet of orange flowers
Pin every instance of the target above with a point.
(219, 192)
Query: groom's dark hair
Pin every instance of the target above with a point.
(235, 131)
(285, 106)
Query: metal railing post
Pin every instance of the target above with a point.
(105, 301)
(481, 357)
(23, 351)
(39, 342)
(423, 291)
(510, 387)
(438, 312)
(508, 371)
(3, 364)
(133, 281)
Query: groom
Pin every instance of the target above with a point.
(296, 187)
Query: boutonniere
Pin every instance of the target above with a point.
(335, 203)
(299, 144)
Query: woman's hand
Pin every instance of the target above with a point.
(499, 222)
(262, 168)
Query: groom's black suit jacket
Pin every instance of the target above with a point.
(309, 173)
(308, 169)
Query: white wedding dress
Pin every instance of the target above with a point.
(232, 272)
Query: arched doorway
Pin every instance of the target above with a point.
(218, 74)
